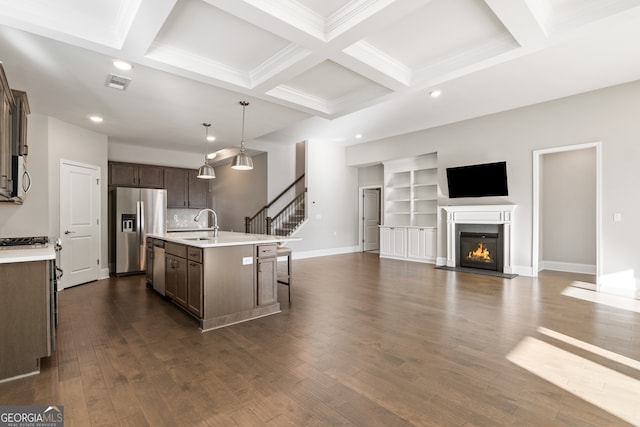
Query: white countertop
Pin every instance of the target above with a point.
(27, 254)
(225, 238)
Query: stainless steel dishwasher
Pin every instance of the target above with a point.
(158, 267)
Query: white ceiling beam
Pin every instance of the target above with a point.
(146, 25)
(520, 21)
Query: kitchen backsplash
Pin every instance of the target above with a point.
(183, 218)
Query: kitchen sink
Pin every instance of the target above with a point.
(199, 238)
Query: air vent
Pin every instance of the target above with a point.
(117, 82)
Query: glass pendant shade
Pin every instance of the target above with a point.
(242, 162)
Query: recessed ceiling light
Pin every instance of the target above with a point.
(358, 135)
(211, 156)
(121, 65)
(96, 119)
(435, 93)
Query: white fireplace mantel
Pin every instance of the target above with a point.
(482, 214)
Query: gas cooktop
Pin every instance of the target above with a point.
(33, 242)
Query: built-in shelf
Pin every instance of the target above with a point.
(411, 191)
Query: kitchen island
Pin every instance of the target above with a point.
(223, 279)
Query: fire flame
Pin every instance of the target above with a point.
(480, 254)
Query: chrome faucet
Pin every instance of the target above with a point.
(215, 220)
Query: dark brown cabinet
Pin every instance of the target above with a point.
(19, 123)
(176, 185)
(198, 190)
(134, 175)
(184, 276)
(150, 176)
(14, 108)
(7, 106)
(266, 275)
(176, 278)
(27, 332)
(185, 189)
(194, 281)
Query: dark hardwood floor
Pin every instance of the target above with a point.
(365, 342)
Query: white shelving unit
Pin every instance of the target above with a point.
(410, 209)
(411, 191)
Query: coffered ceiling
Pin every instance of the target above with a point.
(325, 69)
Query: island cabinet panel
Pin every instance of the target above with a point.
(25, 316)
(266, 275)
(194, 281)
(176, 272)
(229, 289)
(176, 278)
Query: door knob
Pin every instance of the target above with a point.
(69, 232)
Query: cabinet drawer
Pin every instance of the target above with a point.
(175, 249)
(194, 254)
(267, 251)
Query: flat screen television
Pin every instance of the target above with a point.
(484, 180)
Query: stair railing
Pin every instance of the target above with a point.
(289, 218)
(257, 224)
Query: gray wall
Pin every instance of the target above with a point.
(80, 145)
(51, 140)
(332, 195)
(371, 175)
(31, 218)
(607, 115)
(568, 208)
(237, 194)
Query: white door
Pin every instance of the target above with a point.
(371, 219)
(79, 223)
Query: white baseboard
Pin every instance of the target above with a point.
(325, 252)
(104, 274)
(569, 267)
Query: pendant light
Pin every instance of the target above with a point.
(206, 171)
(242, 162)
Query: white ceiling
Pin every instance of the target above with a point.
(324, 69)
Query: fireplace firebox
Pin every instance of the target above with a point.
(480, 250)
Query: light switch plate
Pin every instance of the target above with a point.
(247, 260)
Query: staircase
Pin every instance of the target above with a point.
(287, 219)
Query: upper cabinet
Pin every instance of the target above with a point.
(7, 107)
(19, 123)
(134, 175)
(176, 185)
(185, 189)
(411, 191)
(14, 108)
(198, 191)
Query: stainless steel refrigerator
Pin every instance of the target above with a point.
(136, 212)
